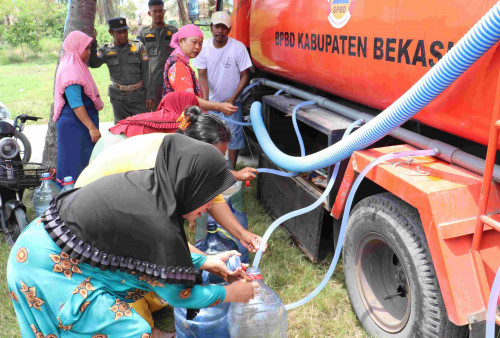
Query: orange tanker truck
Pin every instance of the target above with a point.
(422, 245)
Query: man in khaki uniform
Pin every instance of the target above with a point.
(130, 91)
(156, 38)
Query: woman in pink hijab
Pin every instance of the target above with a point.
(76, 106)
(178, 75)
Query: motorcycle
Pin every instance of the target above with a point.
(21, 139)
(15, 176)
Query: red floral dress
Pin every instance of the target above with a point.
(179, 76)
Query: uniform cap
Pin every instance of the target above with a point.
(221, 17)
(117, 24)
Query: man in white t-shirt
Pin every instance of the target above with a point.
(223, 65)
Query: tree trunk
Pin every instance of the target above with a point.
(100, 13)
(183, 15)
(108, 9)
(211, 7)
(81, 18)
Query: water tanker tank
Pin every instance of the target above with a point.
(371, 52)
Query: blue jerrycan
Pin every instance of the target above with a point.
(243, 219)
(209, 322)
(215, 243)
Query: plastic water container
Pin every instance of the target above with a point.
(234, 194)
(262, 316)
(44, 194)
(201, 226)
(215, 243)
(242, 218)
(67, 184)
(233, 263)
(209, 322)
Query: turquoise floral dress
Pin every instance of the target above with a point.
(57, 296)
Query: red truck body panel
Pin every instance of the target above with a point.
(382, 49)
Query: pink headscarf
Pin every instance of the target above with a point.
(72, 70)
(185, 32)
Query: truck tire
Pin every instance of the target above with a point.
(15, 225)
(24, 146)
(389, 273)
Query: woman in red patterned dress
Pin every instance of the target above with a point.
(178, 75)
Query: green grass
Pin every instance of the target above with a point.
(285, 269)
(27, 85)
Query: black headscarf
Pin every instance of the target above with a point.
(138, 214)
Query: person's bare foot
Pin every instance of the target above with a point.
(156, 333)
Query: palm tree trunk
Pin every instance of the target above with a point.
(81, 18)
(183, 15)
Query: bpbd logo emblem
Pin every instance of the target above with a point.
(341, 12)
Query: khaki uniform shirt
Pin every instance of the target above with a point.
(128, 64)
(157, 42)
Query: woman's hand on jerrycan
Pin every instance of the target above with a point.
(241, 291)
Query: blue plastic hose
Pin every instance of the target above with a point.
(298, 212)
(242, 97)
(299, 138)
(469, 49)
(296, 126)
(228, 120)
(492, 306)
(261, 170)
(248, 124)
(347, 210)
(276, 172)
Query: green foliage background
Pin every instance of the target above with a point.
(26, 22)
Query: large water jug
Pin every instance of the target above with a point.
(234, 194)
(201, 226)
(243, 220)
(262, 316)
(67, 184)
(215, 243)
(209, 322)
(44, 194)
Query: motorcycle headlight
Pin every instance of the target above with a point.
(8, 148)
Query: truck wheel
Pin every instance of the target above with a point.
(24, 146)
(389, 274)
(15, 225)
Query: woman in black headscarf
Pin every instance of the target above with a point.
(102, 246)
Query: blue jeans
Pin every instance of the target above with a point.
(237, 139)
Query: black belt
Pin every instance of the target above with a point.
(86, 253)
